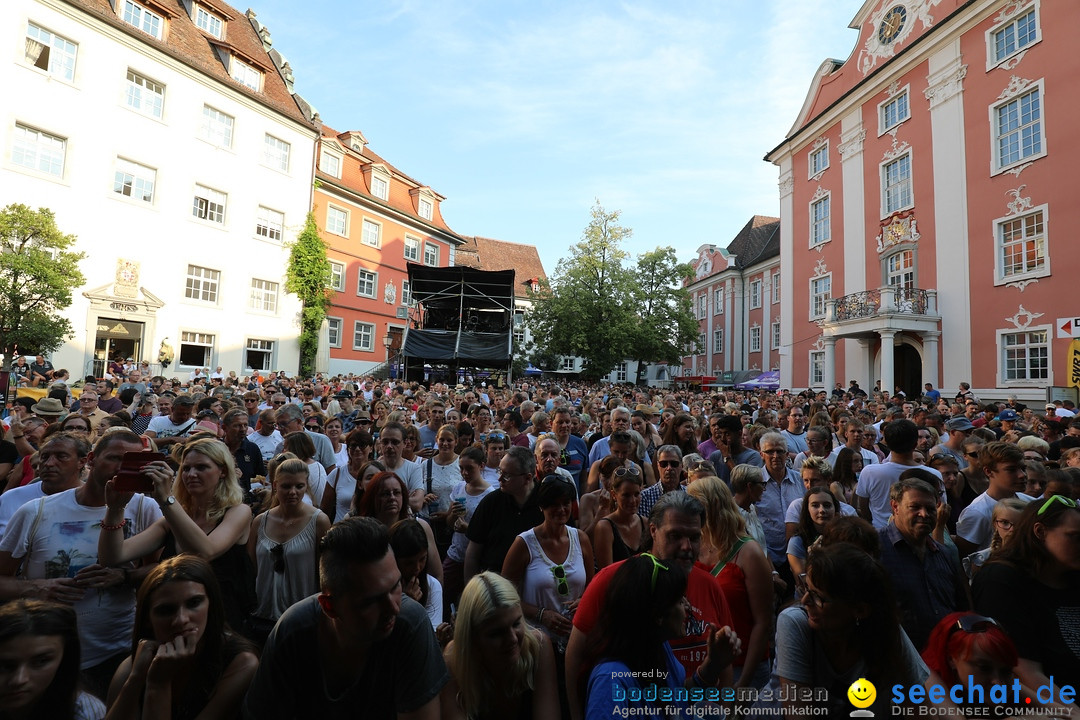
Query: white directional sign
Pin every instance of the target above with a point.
(1068, 327)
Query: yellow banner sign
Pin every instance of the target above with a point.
(1072, 365)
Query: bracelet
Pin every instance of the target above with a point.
(540, 615)
(118, 526)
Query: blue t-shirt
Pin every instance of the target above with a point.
(575, 458)
(612, 691)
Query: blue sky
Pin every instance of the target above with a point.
(522, 114)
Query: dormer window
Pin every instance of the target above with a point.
(209, 22)
(425, 208)
(246, 75)
(380, 187)
(149, 22)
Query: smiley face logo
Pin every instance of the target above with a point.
(862, 693)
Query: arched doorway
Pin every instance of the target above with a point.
(907, 369)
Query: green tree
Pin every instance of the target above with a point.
(308, 277)
(586, 308)
(38, 272)
(665, 317)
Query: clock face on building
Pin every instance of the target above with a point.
(892, 24)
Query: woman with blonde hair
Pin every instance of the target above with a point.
(299, 444)
(745, 574)
(203, 513)
(499, 667)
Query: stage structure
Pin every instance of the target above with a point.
(460, 325)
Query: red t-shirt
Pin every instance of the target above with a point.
(708, 608)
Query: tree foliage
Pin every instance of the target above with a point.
(308, 277)
(597, 308)
(585, 309)
(38, 273)
(665, 317)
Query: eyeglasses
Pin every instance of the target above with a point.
(806, 593)
(976, 623)
(657, 566)
(363, 422)
(1005, 524)
(775, 451)
(561, 586)
(625, 470)
(277, 402)
(669, 463)
(1067, 502)
(971, 454)
(278, 551)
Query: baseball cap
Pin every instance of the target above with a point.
(959, 423)
(1007, 414)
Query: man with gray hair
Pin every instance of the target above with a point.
(620, 420)
(504, 514)
(291, 419)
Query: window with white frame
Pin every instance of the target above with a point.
(896, 184)
(264, 295)
(820, 221)
(1018, 129)
(775, 287)
(776, 335)
(259, 354)
(369, 235)
(334, 335)
(568, 363)
(425, 208)
(363, 336)
(1012, 37)
(247, 75)
(38, 150)
(412, 249)
(820, 292)
(718, 301)
(134, 180)
(337, 276)
(701, 347)
(755, 339)
(196, 349)
(519, 329)
(330, 163)
(1021, 246)
(431, 254)
(202, 284)
(380, 188)
(406, 293)
(620, 372)
(209, 205)
(149, 22)
(50, 52)
(217, 127)
(269, 224)
(900, 270)
(1025, 355)
(755, 294)
(144, 95)
(275, 153)
(703, 306)
(819, 160)
(366, 283)
(718, 341)
(817, 368)
(893, 111)
(337, 221)
(208, 21)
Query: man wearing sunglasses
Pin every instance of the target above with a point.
(672, 476)
(675, 527)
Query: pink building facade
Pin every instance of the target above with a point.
(736, 298)
(917, 189)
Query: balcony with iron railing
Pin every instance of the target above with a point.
(888, 307)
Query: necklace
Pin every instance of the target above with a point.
(344, 693)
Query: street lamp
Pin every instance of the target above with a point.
(387, 341)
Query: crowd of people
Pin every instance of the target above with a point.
(279, 547)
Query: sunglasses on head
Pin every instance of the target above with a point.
(976, 623)
(1067, 502)
(627, 470)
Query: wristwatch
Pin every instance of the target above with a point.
(167, 502)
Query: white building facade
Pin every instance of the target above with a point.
(167, 138)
